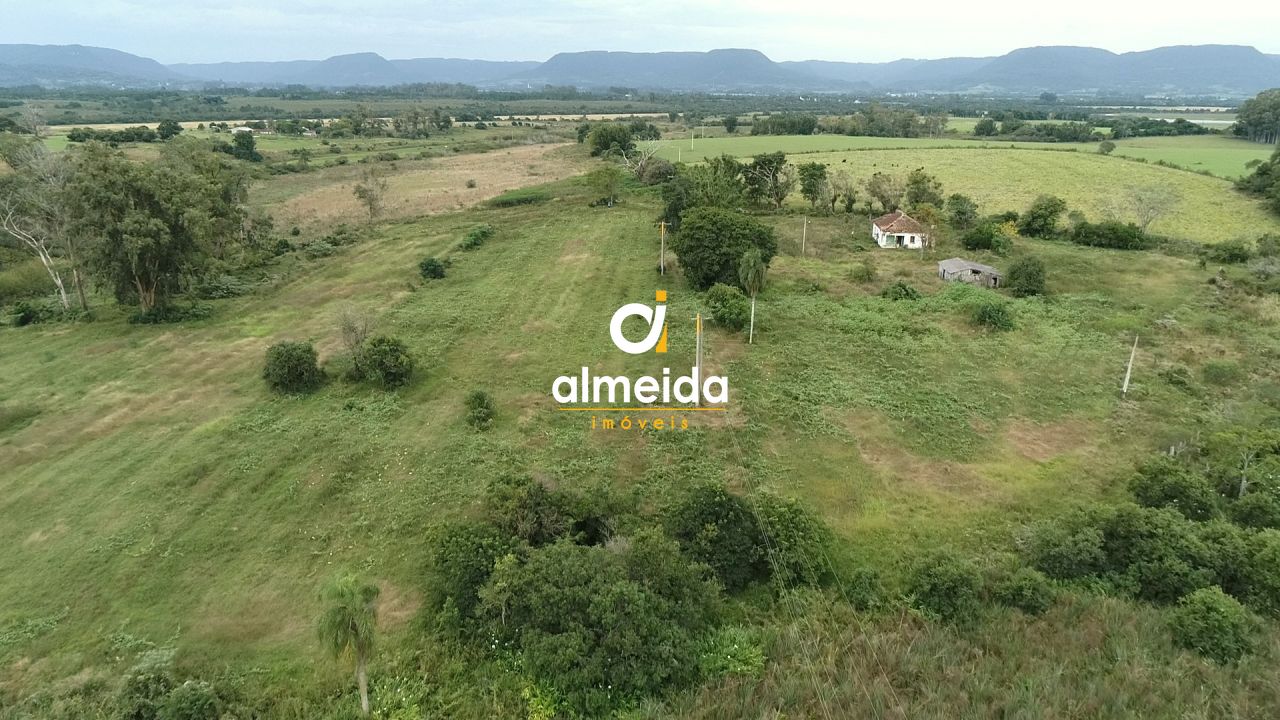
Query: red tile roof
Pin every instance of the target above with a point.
(898, 222)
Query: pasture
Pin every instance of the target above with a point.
(159, 493)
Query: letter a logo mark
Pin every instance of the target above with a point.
(656, 317)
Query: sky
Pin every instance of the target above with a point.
(219, 30)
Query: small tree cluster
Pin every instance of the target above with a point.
(729, 308)
(292, 367)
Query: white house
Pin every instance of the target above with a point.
(898, 230)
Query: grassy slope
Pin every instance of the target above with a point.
(162, 490)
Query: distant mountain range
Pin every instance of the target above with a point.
(1228, 70)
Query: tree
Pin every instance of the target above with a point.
(291, 367)
(769, 178)
(962, 211)
(712, 241)
(1152, 202)
(348, 624)
(923, 189)
(751, 273)
(245, 147)
(813, 181)
(370, 191)
(887, 190)
(1213, 624)
(604, 183)
(610, 138)
(156, 225)
(33, 210)
(1041, 219)
(730, 123)
(1026, 277)
(1106, 147)
(1258, 118)
(986, 127)
(843, 188)
(168, 128)
(33, 120)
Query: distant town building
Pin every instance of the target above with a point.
(961, 270)
(898, 230)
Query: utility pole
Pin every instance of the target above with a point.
(1124, 389)
(697, 357)
(662, 254)
(804, 234)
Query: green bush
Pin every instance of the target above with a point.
(431, 269)
(1213, 624)
(1231, 251)
(985, 236)
(945, 586)
(864, 272)
(165, 314)
(143, 692)
(1262, 574)
(514, 198)
(21, 280)
(1109, 234)
(1041, 219)
(1257, 509)
(386, 360)
(718, 528)
(730, 309)
(525, 509)
(292, 367)
(864, 589)
(460, 559)
(1156, 553)
(993, 314)
(732, 650)
(479, 409)
(1230, 555)
(1026, 277)
(191, 701)
(1222, 372)
(712, 240)
(602, 627)
(796, 542)
(1026, 589)
(476, 237)
(1067, 548)
(900, 291)
(1171, 484)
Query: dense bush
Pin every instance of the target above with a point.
(1231, 251)
(900, 291)
(523, 196)
(656, 171)
(461, 557)
(796, 542)
(1155, 553)
(476, 237)
(718, 528)
(1213, 624)
(864, 589)
(165, 314)
(431, 268)
(1257, 509)
(711, 241)
(527, 510)
(729, 307)
(1041, 219)
(1171, 484)
(292, 367)
(993, 314)
(1109, 234)
(1068, 548)
(962, 211)
(602, 627)
(479, 409)
(191, 701)
(945, 586)
(1262, 574)
(1026, 277)
(145, 687)
(1026, 589)
(386, 360)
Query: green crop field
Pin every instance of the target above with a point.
(157, 494)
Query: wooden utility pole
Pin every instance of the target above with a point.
(662, 254)
(1124, 389)
(697, 357)
(804, 234)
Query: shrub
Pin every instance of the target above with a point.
(1170, 484)
(716, 527)
(1156, 553)
(1041, 219)
(525, 509)
(386, 360)
(145, 687)
(1026, 589)
(864, 589)
(729, 307)
(191, 701)
(656, 170)
(602, 627)
(1229, 553)
(1213, 624)
(165, 314)
(524, 196)
(460, 558)
(1109, 234)
(900, 291)
(317, 249)
(1068, 548)
(711, 241)
(945, 586)
(431, 269)
(732, 650)
(1268, 246)
(476, 237)
(864, 272)
(1262, 574)
(962, 211)
(222, 287)
(292, 367)
(1026, 277)
(1106, 147)
(796, 541)
(1257, 509)
(1222, 372)
(471, 184)
(1233, 251)
(982, 237)
(994, 315)
(479, 409)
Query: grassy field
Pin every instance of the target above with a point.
(155, 493)
(1008, 177)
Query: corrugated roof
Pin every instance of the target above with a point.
(953, 265)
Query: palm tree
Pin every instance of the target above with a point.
(348, 623)
(751, 272)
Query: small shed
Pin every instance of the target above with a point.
(961, 270)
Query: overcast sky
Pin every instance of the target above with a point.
(213, 30)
